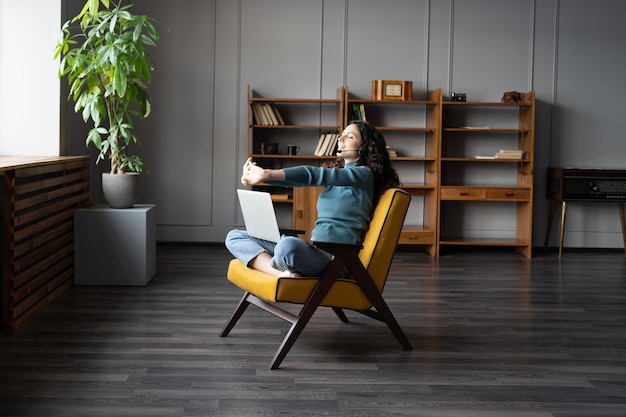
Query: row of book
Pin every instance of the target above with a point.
(392, 152)
(506, 154)
(357, 112)
(510, 154)
(326, 144)
(266, 114)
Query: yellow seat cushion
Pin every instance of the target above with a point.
(344, 292)
(376, 255)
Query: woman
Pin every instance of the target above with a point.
(352, 183)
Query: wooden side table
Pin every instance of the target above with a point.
(553, 205)
(591, 185)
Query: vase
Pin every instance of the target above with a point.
(120, 190)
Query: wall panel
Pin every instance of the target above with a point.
(386, 40)
(178, 135)
(491, 47)
(281, 47)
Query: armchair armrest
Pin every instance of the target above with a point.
(290, 232)
(345, 254)
(333, 247)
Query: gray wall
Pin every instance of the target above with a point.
(571, 52)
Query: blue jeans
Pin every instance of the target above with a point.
(289, 254)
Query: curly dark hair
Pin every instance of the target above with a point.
(374, 155)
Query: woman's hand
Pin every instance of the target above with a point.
(254, 174)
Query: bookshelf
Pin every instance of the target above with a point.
(274, 124)
(412, 129)
(455, 159)
(487, 163)
(292, 121)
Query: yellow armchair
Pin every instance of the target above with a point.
(361, 291)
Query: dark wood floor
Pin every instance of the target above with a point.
(494, 334)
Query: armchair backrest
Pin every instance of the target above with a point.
(382, 236)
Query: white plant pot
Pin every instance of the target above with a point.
(120, 190)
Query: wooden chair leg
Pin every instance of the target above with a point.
(384, 314)
(243, 305)
(387, 316)
(317, 295)
(342, 316)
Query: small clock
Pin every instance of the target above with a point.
(392, 90)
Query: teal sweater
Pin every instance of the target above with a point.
(344, 208)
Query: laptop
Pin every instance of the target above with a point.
(259, 215)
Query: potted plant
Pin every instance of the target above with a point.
(103, 52)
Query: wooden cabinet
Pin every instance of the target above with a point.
(412, 130)
(487, 162)
(305, 208)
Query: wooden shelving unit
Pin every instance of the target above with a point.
(303, 123)
(413, 129)
(305, 119)
(435, 147)
(457, 159)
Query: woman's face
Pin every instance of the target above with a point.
(349, 143)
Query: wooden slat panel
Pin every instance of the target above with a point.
(45, 211)
(28, 283)
(47, 195)
(7, 245)
(65, 177)
(44, 223)
(55, 240)
(38, 238)
(29, 275)
(37, 261)
(23, 318)
(46, 169)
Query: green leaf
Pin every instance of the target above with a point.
(95, 138)
(146, 109)
(119, 79)
(112, 24)
(137, 31)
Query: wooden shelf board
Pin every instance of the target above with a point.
(281, 198)
(491, 187)
(387, 102)
(285, 156)
(485, 103)
(417, 189)
(405, 129)
(309, 127)
(462, 241)
(484, 130)
(295, 100)
(412, 158)
(474, 159)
